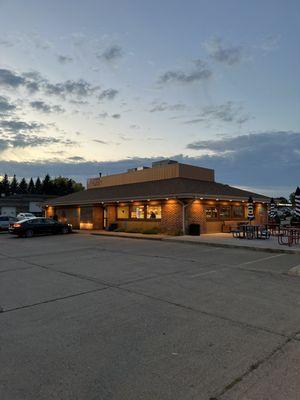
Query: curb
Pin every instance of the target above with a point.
(127, 237)
(233, 246)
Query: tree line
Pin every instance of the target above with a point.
(58, 186)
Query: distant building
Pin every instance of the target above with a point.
(169, 197)
(15, 204)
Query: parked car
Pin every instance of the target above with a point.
(22, 216)
(38, 226)
(5, 221)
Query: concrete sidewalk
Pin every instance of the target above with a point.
(226, 240)
(214, 239)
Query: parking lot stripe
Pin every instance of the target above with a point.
(262, 259)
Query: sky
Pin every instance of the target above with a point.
(90, 86)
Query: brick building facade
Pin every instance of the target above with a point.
(166, 198)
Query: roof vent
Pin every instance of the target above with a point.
(161, 163)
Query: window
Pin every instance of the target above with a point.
(123, 212)
(224, 212)
(3, 218)
(154, 212)
(137, 212)
(211, 213)
(237, 212)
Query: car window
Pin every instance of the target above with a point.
(50, 221)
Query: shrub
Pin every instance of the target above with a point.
(152, 231)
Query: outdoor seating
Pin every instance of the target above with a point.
(251, 232)
(289, 236)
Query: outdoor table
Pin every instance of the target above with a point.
(289, 236)
(252, 232)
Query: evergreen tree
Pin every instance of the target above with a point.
(31, 187)
(47, 185)
(23, 186)
(38, 188)
(14, 185)
(5, 185)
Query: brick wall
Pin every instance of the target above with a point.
(195, 215)
(171, 218)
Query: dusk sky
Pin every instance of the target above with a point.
(90, 86)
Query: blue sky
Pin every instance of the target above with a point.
(104, 85)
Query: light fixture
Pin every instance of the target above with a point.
(217, 199)
(230, 200)
(201, 198)
(167, 198)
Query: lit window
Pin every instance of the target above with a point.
(123, 212)
(224, 212)
(137, 212)
(237, 212)
(153, 212)
(211, 213)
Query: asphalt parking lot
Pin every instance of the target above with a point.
(88, 317)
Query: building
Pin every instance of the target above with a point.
(17, 203)
(167, 197)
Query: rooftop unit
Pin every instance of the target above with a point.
(161, 170)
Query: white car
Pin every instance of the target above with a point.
(5, 220)
(25, 216)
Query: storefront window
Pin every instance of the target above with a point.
(153, 212)
(137, 212)
(123, 212)
(237, 212)
(211, 213)
(224, 212)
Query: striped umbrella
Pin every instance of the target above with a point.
(272, 209)
(297, 202)
(250, 209)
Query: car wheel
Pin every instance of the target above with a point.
(64, 230)
(29, 233)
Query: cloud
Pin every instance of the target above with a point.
(76, 159)
(270, 42)
(35, 82)
(218, 51)
(9, 79)
(46, 108)
(227, 112)
(62, 59)
(6, 107)
(269, 161)
(100, 141)
(111, 53)
(266, 158)
(108, 94)
(116, 116)
(200, 72)
(159, 107)
(16, 126)
(103, 115)
(23, 140)
(6, 43)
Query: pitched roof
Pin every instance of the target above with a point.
(167, 188)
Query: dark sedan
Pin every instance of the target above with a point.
(38, 226)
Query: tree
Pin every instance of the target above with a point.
(38, 188)
(5, 185)
(47, 185)
(31, 187)
(14, 185)
(23, 186)
(292, 198)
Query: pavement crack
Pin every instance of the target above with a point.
(250, 369)
(4, 311)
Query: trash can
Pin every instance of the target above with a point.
(194, 229)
